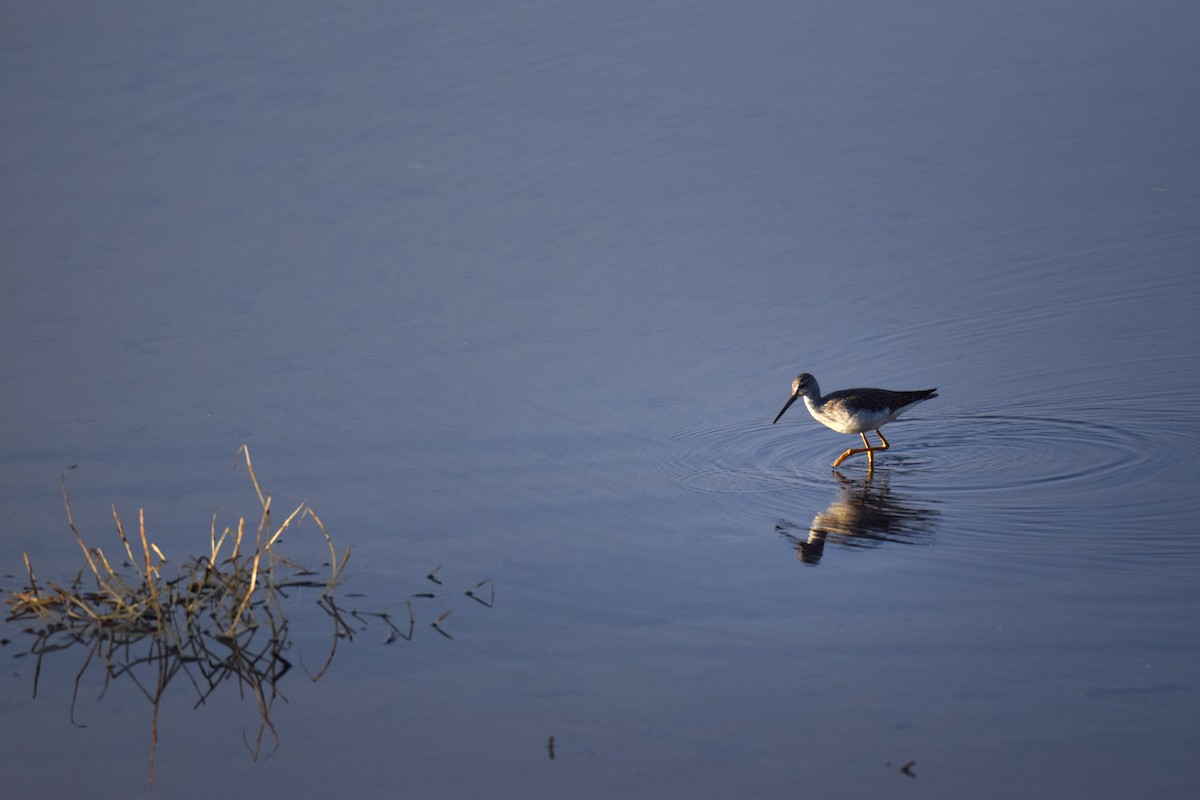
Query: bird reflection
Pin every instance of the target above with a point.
(864, 513)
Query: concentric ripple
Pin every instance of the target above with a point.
(1078, 487)
(736, 458)
(960, 453)
(1001, 452)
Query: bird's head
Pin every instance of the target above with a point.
(802, 386)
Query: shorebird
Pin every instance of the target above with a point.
(854, 410)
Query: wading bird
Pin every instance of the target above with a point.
(854, 410)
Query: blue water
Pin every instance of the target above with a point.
(517, 290)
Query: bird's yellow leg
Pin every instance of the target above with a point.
(870, 451)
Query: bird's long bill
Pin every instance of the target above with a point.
(786, 406)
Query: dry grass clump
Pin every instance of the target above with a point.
(219, 618)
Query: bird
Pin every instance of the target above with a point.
(854, 410)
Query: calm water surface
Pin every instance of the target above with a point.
(516, 291)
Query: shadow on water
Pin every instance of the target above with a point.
(864, 512)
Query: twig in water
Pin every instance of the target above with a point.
(437, 627)
(491, 601)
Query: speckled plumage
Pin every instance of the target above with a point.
(854, 410)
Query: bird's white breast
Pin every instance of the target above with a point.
(834, 415)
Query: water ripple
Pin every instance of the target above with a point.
(1054, 490)
(1001, 452)
(963, 453)
(744, 457)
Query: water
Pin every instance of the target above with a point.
(517, 290)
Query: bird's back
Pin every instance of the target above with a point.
(863, 409)
(879, 399)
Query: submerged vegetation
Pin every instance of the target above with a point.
(219, 618)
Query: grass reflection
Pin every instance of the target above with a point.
(218, 619)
